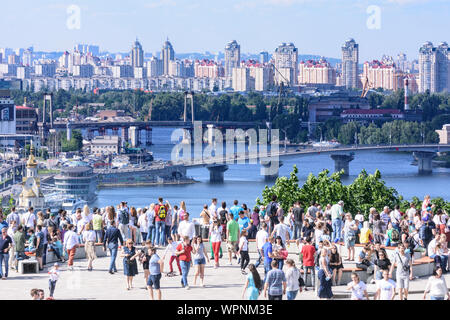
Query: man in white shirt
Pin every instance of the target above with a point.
(281, 230)
(261, 239)
(186, 228)
(213, 208)
(29, 219)
(70, 244)
(385, 288)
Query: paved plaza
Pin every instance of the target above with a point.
(224, 283)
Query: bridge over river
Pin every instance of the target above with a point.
(271, 161)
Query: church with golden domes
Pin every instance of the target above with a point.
(31, 195)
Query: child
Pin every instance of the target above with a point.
(54, 276)
(171, 249)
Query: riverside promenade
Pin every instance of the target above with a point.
(224, 283)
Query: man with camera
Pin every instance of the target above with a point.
(404, 271)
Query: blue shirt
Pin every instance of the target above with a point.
(267, 248)
(243, 223)
(275, 279)
(112, 235)
(235, 211)
(154, 266)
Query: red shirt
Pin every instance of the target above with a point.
(186, 256)
(157, 218)
(308, 255)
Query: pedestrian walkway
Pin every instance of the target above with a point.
(224, 283)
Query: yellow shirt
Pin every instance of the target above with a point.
(364, 236)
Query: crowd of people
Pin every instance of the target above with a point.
(320, 233)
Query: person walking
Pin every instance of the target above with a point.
(199, 256)
(308, 251)
(130, 269)
(89, 237)
(170, 251)
(186, 228)
(268, 255)
(53, 278)
(404, 271)
(215, 237)
(292, 277)
(111, 240)
(232, 236)
(358, 288)
(436, 286)
(261, 239)
(183, 252)
(124, 220)
(70, 244)
(243, 251)
(253, 284)
(5, 246)
(19, 240)
(275, 284)
(385, 288)
(156, 266)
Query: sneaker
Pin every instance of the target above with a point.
(229, 264)
(187, 288)
(243, 272)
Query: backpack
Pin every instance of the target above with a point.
(223, 216)
(425, 232)
(123, 217)
(395, 235)
(271, 210)
(162, 212)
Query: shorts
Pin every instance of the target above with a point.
(231, 246)
(154, 281)
(349, 243)
(40, 251)
(199, 261)
(402, 282)
(336, 267)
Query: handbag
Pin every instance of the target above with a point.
(284, 254)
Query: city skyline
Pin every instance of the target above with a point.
(199, 26)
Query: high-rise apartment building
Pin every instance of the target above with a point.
(317, 72)
(137, 55)
(381, 74)
(232, 57)
(434, 67)
(286, 63)
(27, 57)
(350, 57)
(167, 55)
(241, 79)
(208, 69)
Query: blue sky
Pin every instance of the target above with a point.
(314, 26)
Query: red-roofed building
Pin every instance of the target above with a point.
(208, 69)
(316, 71)
(26, 120)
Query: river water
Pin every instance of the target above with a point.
(245, 183)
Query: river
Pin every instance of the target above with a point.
(245, 183)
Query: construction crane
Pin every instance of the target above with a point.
(282, 90)
(367, 85)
